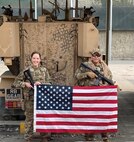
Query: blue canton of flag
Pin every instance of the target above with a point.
(51, 97)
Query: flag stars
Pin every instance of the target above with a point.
(68, 108)
(54, 100)
(51, 97)
(54, 95)
(42, 99)
(54, 105)
(57, 87)
(42, 94)
(63, 103)
(48, 99)
(51, 87)
(42, 104)
(39, 107)
(42, 89)
(68, 93)
(48, 105)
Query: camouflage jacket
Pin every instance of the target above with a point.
(39, 74)
(84, 80)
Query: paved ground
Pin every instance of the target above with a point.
(123, 73)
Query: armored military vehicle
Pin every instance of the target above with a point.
(62, 44)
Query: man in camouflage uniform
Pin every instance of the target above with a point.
(85, 77)
(39, 75)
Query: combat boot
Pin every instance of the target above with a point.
(106, 140)
(46, 137)
(44, 140)
(28, 140)
(89, 137)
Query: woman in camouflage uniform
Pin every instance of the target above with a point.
(85, 77)
(39, 75)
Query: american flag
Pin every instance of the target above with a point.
(66, 109)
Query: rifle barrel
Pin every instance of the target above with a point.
(110, 82)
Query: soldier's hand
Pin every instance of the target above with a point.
(28, 85)
(37, 83)
(91, 74)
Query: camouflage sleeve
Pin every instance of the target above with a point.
(47, 77)
(19, 81)
(109, 75)
(107, 71)
(80, 74)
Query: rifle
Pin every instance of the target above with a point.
(28, 76)
(99, 76)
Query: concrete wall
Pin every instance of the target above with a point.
(122, 45)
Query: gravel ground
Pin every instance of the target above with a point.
(55, 138)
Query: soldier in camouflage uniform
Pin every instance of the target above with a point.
(85, 77)
(40, 75)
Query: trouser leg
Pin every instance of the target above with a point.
(45, 137)
(89, 137)
(105, 137)
(29, 120)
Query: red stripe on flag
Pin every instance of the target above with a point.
(74, 123)
(94, 109)
(75, 116)
(95, 87)
(95, 94)
(74, 131)
(96, 101)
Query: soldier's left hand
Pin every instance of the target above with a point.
(37, 83)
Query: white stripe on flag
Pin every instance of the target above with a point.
(77, 127)
(94, 90)
(77, 112)
(54, 119)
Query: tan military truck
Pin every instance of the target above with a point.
(62, 45)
